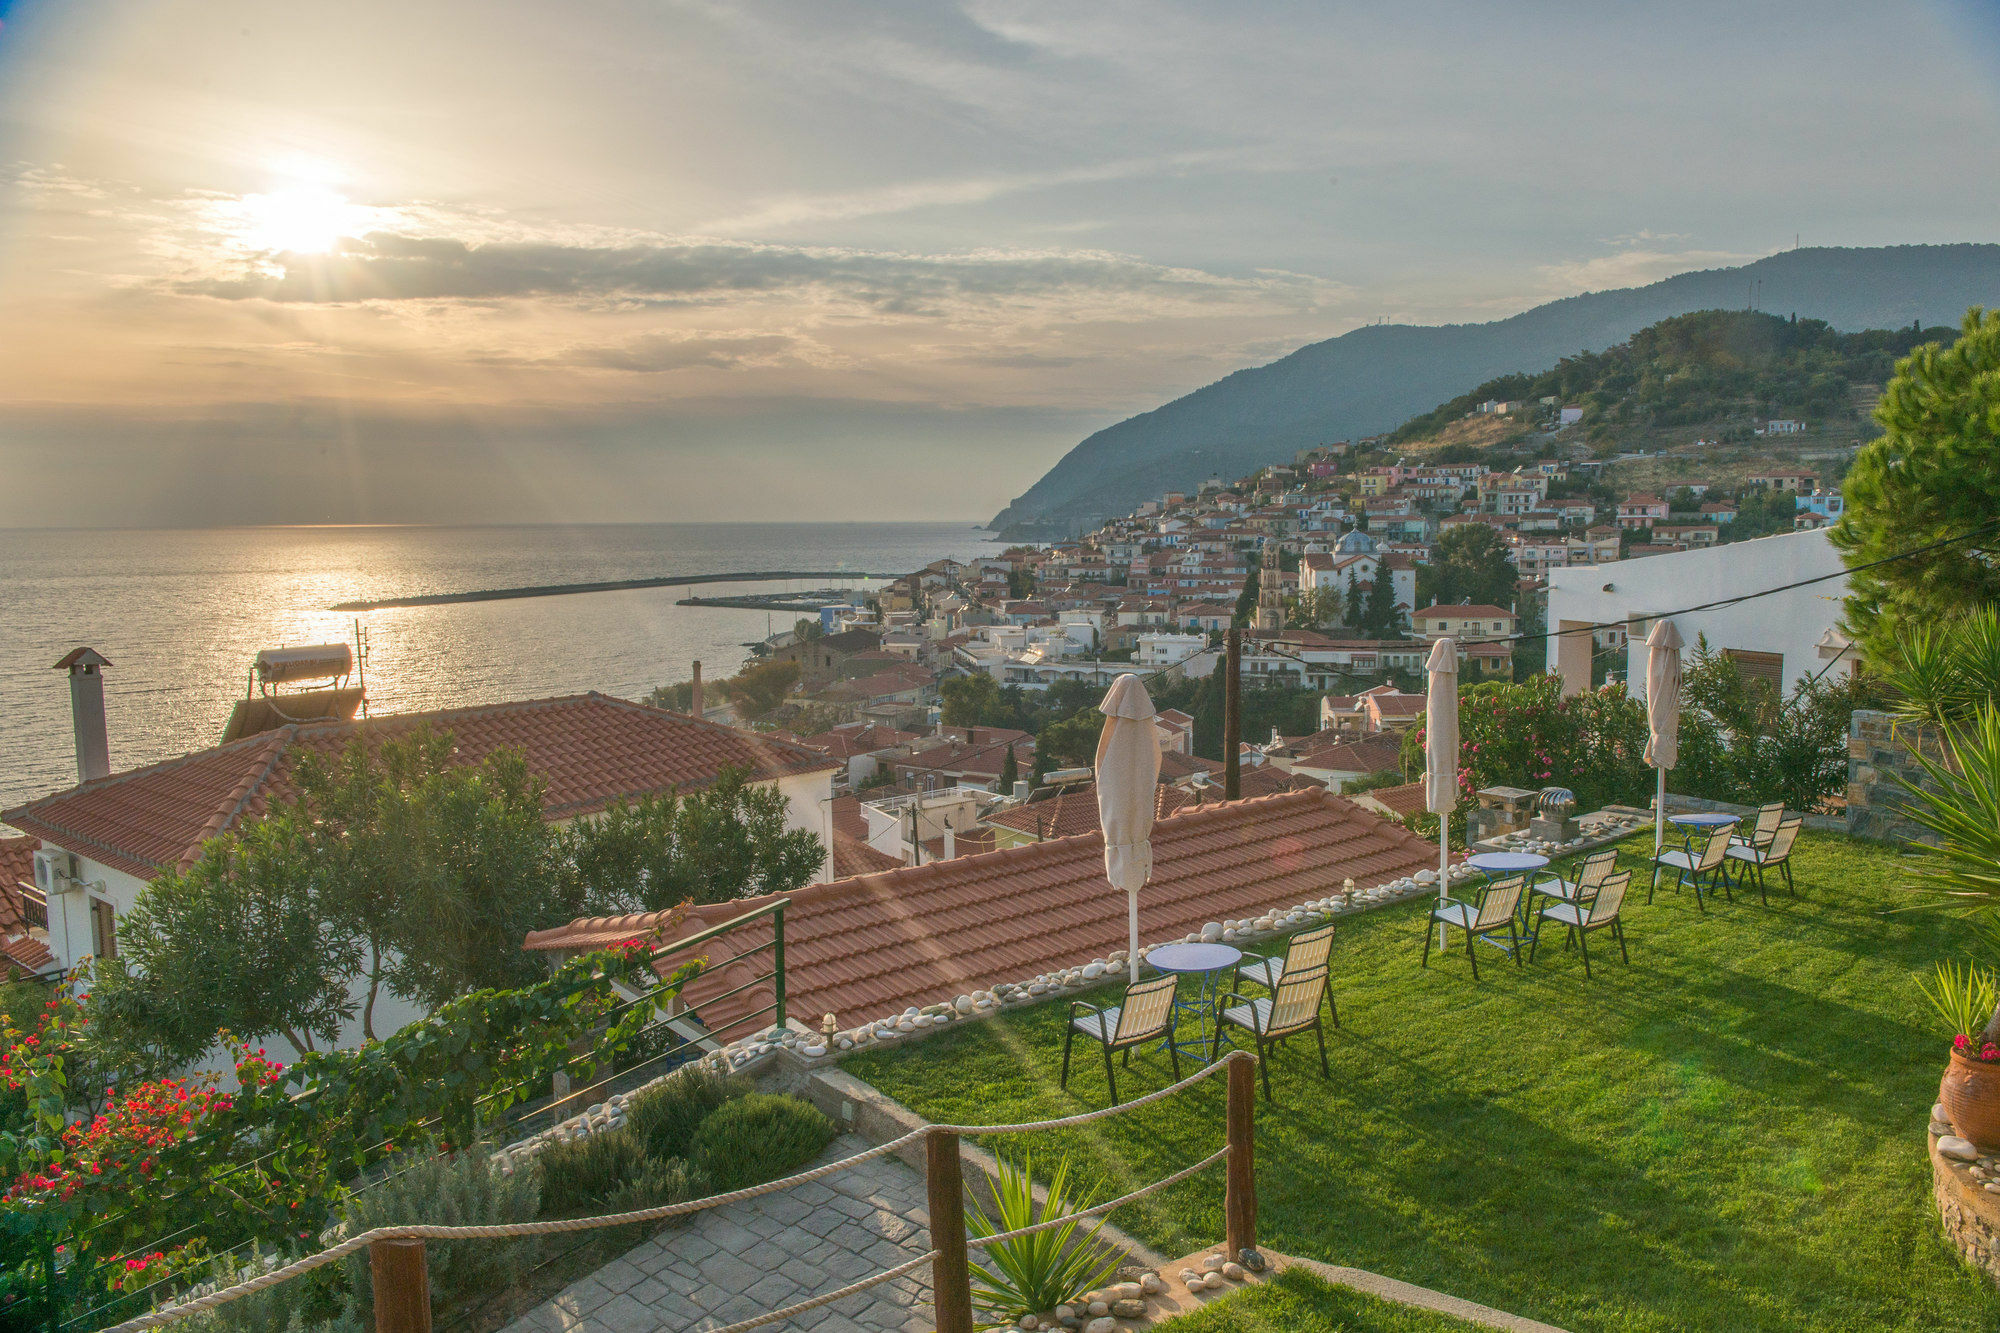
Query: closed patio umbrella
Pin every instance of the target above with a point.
(1441, 747)
(1663, 713)
(1128, 769)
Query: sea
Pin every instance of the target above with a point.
(181, 615)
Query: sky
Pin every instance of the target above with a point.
(609, 261)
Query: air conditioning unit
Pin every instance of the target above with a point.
(55, 870)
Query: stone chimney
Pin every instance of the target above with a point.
(694, 697)
(86, 707)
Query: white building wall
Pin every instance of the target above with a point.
(1637, 592)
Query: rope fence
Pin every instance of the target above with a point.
(951, 1284)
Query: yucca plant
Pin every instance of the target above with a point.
(1962, 806)
(1034, 1274)
(1964, 997)
(1943, 675)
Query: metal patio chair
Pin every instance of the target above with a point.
(1597, 867)
(1494, 914)
(1147, 1014)
(1762, 829)
(1710, 863)
(1600, 913)
(1289, 1010)
(1777, 852)
(1306, 950)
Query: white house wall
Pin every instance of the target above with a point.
(1636, 592)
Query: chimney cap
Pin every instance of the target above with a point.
(81, 657)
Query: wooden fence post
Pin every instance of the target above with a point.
(402, 1282)
(1239, 1208)
(951, 1281)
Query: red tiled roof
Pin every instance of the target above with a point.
(1407, 799)
(591, 750)
(1363, 756)
(19, 952)
(846, 742)
(864, 947)
(1074, 810)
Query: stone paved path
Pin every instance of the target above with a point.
(741, 1259)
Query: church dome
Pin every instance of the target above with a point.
(1356, 543)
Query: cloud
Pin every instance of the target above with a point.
(658, 353)
(1634, 267)
(387, 266)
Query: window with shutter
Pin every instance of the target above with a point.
(103, 929)
(1767, 668)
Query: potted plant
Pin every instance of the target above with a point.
(1965, 998)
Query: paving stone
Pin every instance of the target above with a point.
(619, 1275)
(728, 1272)
(626, 1315)
(774, 1290)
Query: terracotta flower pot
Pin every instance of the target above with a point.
(1971, 1096)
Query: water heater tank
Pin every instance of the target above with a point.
(320, 661)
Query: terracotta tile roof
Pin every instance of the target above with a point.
(1410, 705)
(1407, 799)
(20, 953)
(590, 748)
(1176, 767)
(1363, 756)
(881, 685)
(846, 742)
(983, 761)
(1073, 810)
(865, 947)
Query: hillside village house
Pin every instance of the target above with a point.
(1777, 638)
(1641, 511)
(1786, 480)
(1467, 622)
(114, 834)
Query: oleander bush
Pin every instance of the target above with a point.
(758, 1137)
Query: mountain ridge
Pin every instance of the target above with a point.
(1371, 379)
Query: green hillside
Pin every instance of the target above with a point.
(1714, 370)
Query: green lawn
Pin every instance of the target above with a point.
(1296, 1301)
(1727, 1134)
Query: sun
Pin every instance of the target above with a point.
(301, 220)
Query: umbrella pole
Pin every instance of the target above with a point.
(1660, 815)
(1444, 868)
(1132, 901)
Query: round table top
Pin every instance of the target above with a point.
(1703, 821)
(1194, 957)
(1506, 861)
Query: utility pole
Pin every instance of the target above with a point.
(1232, 715)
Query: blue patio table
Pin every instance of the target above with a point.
(1496, 865)
(1207, 961)
(1689, 823)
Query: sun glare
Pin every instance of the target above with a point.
(302, 220)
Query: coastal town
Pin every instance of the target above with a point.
(998, 668)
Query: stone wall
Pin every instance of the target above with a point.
(1879, 750)
(1701, 805)
(1968, 1197)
